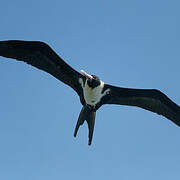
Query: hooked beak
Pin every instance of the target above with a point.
(86, 74)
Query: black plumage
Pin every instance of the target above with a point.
(149, 99)
(92, 91)
(41, 56)
(88, 115)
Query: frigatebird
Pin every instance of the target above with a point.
(92, 91)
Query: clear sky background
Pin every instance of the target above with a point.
(132, 43)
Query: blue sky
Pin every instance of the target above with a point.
(130, 43)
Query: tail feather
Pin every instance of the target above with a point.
(88, 115)
(91, 122)
(81, 119)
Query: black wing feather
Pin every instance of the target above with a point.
(149, 99)
(41, 56)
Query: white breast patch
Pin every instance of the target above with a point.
(93, 96)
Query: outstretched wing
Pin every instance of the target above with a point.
(41, 56)
(149, 99)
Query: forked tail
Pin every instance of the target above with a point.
(88, 115)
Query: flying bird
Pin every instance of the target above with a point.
(92, 91)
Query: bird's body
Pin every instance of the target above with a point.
(93, 96)
(92, 91)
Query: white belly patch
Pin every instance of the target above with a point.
(93, 96)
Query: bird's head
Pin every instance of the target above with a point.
(92, 80)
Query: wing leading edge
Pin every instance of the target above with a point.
(42, 56)
(149, 99)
